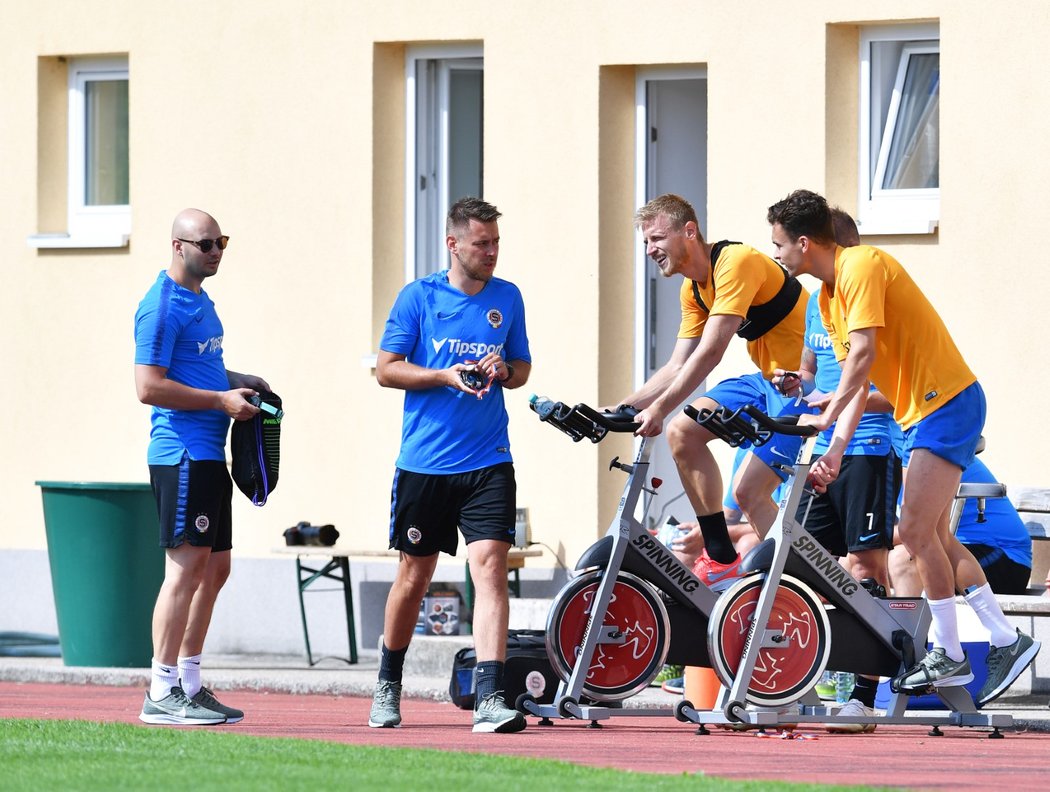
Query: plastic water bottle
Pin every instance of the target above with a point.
(541, 405)
(669, 532)
(844, 681)
(826, 686)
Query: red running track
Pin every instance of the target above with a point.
(898, 756)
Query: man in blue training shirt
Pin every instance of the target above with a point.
(454, 340)
(179, 370)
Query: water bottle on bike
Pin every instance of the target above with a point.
(542, 406)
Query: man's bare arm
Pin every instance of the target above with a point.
(154, 388)
(394, 371)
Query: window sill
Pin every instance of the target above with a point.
(900, 227)
(65, 241)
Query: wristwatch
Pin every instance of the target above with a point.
(510, 372)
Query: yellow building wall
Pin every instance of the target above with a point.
(286, 122)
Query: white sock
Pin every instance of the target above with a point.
(986, 607)
(944, 632)
(162, 679)
(190, 674)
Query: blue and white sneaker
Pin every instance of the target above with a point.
(1005, 664)
(206, 699)
(493, 716)
(386, 705)
(935, 670)
(177, 709)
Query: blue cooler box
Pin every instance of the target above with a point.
(978, 654)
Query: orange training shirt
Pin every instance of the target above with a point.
(917, 365)
(744, 277)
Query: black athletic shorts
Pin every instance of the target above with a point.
(857, 511)
(1004, 575)
(427, 509)
(193, 503)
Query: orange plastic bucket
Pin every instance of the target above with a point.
(701, 687)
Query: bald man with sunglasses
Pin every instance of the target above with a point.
(180, 372)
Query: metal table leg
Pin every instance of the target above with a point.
(306, 577)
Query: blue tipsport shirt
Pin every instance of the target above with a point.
(877, 433)
(178, 329)
(1003, 528)
(435, 325)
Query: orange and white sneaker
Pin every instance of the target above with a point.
(716, 576)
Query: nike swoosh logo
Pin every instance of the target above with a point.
(438, 344)
(776, 452)
(734, 572)
(869, 538)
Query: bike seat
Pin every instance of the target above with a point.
(760, 557)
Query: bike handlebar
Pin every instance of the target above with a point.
(747, 424)
(581, 421)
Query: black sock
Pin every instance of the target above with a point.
(864, 691)
(488, 678)
(716, 537)
(392, 664)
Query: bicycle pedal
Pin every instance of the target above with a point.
(874, 588)
(913, 691)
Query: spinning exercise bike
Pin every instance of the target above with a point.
(797, 611)
(634, 606)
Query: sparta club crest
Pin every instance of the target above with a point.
(495, 318)
(202, 523)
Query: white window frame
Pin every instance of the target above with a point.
(87, 226)
(424, 240)
(881, 211)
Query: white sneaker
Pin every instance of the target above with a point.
(854, 708)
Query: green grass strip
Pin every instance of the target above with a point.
(87, 756)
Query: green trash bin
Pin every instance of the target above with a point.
(106, 570)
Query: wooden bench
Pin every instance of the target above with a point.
(1033, 505)
(336, 567)
(1024, 604)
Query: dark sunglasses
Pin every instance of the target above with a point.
(206, 244)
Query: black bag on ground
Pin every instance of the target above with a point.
(255, 446)
(527, 670)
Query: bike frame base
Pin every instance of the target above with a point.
(827, 715)
(751, 720)
(594, 712)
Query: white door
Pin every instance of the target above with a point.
(444, 146)
(672, 111)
